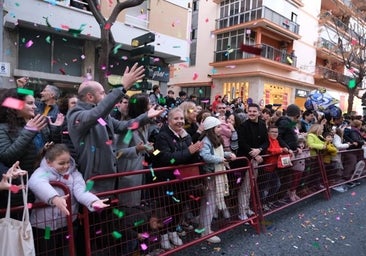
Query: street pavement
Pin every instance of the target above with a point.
(313, 227)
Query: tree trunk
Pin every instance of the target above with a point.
(103, 61)
(351, 95)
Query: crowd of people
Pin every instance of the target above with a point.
(79, 136)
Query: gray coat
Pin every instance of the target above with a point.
(131, 161)
(39, 184)
(94, 141)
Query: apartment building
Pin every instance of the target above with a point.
(57, 41)
(270, 51)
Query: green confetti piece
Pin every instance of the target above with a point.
(175, 199)
(162, 101)
(47, 233)
(200, 91)
(352, 83)
(133, 101)
(128, 137)
(25, 91)
(199, 231)
(138, 223)
(116, 235)
(118, 213)
(115, 49)
(64, 39)
(172, 161)
(316, 245)
(48, 39)
(89, 185)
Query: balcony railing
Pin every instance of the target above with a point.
(332, 75)
(267, 52)
(255, 14)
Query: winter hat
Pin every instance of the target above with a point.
(293, 110)
(210, 122)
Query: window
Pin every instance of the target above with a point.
(203, 94)
(50, 53)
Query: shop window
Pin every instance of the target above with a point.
(236, 90)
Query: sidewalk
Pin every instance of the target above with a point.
(314, 227)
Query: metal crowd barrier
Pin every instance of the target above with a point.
(126, 230)
(63, 238)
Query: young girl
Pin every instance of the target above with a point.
(213, 154)
(57, 165)
(298, 168)
(270, 180)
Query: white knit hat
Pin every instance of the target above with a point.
(210, 122)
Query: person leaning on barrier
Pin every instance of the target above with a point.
(253, 142)
(92, 129)
(175, 147)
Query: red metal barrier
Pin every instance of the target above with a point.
(110, 231)
(41, 236)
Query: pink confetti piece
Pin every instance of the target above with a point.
(195, 76)
(29, 205)
(68, 237)
(107, 26)
(134, 126)
(98, 232)
(353, 193)
(194, 198)
(29, 44)
(66, 27)
(13, 103)
(168, 220)
(153, 239)
(143, 247)
(109, 142)
(176, 172)
(238, 180)
(206, 20)
(145, 235)
(101, 121)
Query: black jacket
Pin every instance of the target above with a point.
(173, 151)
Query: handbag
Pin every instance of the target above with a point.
(284, 161)
(16, 237)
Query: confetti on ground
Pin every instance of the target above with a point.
(47, 233)
(89, 185)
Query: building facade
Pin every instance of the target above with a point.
(264, 50)
(57, 41)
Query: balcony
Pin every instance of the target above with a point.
(268, 52)
(328, 75)
(262, 13)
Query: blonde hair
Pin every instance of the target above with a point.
(316, 129)
(187, 107)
